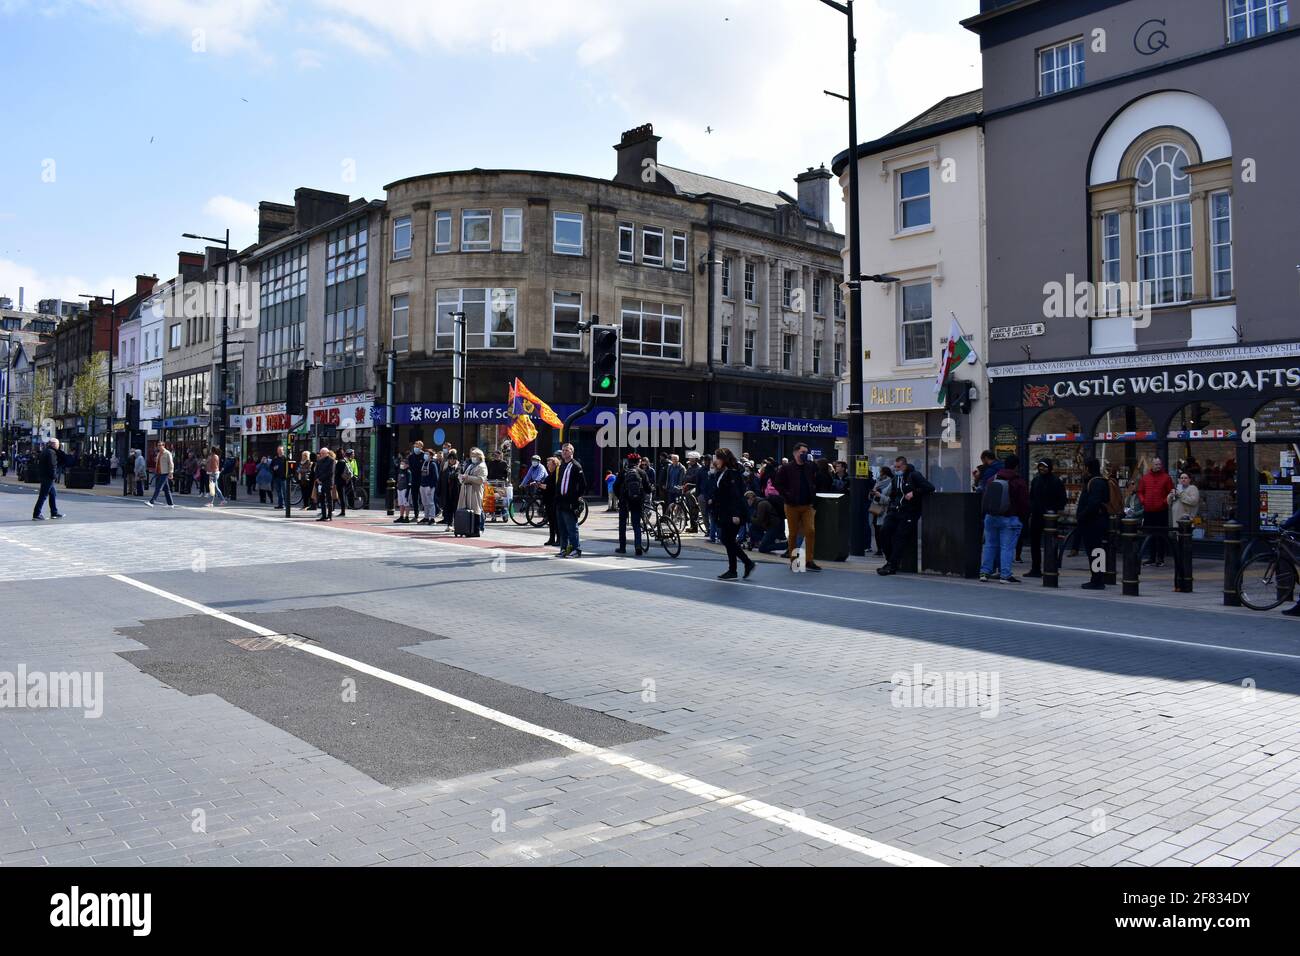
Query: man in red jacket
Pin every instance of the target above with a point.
(1153, 491)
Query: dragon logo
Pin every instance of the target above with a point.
(1039, 396)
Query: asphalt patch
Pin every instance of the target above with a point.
(394, 735)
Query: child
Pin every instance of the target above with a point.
(404, 493)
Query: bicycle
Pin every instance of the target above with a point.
(685, 507)
(526, 508)
(1268, 580)
(668, 535)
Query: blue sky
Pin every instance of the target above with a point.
(245, 100)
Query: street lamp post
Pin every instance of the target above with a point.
(857, 487)
(112, 347)
(225, 328)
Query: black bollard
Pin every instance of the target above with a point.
(1051, 571)
(1231, 563)
(1183, 583)
(391, 495)
(1112, 549)
(1132, 538)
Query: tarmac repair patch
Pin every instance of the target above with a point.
(395, 735)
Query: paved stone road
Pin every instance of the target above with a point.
(1136, 735)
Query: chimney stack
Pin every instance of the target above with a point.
(144, 284)
(815, 194)
(638, 156)
(274, 219)
(20, 298)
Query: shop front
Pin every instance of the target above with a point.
(603, 436)
(187, 433)
(1229, 418)
(903, 417)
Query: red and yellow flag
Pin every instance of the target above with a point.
(525, 402)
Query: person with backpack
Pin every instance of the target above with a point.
(1046, 493)
(1005, 506)
(1093, 517)
(629, 492)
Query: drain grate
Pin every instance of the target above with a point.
(276, 642)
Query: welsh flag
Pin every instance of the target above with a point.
(957, 352)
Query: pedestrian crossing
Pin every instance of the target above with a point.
(169, 541)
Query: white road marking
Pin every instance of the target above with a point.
(661, 775)
(629, 564)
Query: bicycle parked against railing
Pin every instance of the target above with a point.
(1268, 579)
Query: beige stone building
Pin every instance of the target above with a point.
(726, 297)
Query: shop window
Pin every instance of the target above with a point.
(1125, 423)
(1202, 420)
(1056, 425)
(1279, 419)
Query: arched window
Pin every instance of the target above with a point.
(1056, 425)
(1164, 210)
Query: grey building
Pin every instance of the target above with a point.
(315, 274)
(1142, 248)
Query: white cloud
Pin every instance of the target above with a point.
(306, 59)
(207, 26)
(36, 286)
(352, 37)
(232, 214)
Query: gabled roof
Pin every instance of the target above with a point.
(695, 184)
(949, 114)
(952, 107)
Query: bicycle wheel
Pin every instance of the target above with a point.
(1266, 582)
(519, 511)
(677, 512)
(669, 536)
(582, 511)
(363, 498)
(295, 495)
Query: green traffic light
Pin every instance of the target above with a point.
(606, 382)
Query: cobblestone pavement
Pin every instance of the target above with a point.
(833, 719)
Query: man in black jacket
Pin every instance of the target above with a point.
(1046, 493)
(278, 472)
(47, 469)
(906, 491)
(1094, 516)
(570, 486)
(797, 483)
(324, 475)
(415, 461)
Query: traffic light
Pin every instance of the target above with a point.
(295, 401)
(132, 414)
(606, 361)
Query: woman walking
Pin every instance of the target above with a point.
(729, 510)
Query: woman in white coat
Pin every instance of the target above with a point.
(1184, 500)
(472, 478)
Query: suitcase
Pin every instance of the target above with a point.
(466, 524)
